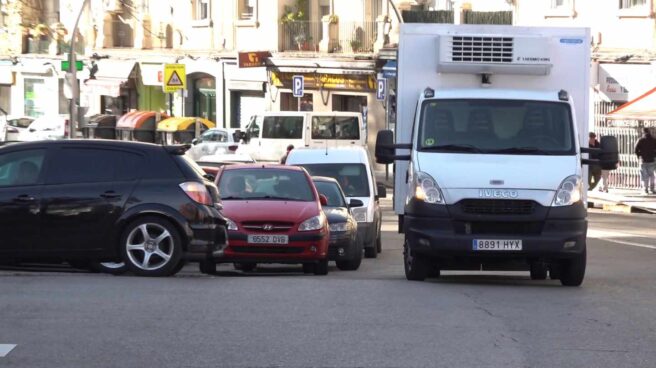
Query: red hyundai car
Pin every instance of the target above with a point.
(274, 215)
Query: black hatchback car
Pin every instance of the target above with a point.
(344, 247)
(107, 201)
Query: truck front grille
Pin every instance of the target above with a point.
(497, 206)
(498, 228)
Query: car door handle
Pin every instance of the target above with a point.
(110, 194)
(24, 198)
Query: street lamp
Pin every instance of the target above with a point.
(73, 75)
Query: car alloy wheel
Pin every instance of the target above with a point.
(152, 247)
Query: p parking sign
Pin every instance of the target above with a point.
(381, 89)
(298, 84)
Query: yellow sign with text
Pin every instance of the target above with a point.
(175, 78)
(358, 82)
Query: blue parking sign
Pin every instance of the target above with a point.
(381, 89)
(298, 83)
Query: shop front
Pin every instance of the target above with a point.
(245, 93)
(149, 88)
(38, 89)
(113, 90)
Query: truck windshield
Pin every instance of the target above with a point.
(512, 127)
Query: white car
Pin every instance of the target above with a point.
(16, 125)
(211, 142)
(44, 128)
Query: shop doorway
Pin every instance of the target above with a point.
(203, 96)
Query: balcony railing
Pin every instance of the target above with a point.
(351, 37)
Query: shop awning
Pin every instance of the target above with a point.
(106, 87)
(6, 75)
(389, 69)
(115, 69)
(641, 108)
(151, 73)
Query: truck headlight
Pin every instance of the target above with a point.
(569, 192)
(427, 190)
(359, 214)
(313, 223)
(340, 227)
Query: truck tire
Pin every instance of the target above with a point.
(416, 267)
(572, 271)
(538, 271)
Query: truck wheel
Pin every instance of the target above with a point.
(321, 268)
(416, 268)
(572, 270)
(538, 271)
(207, 267)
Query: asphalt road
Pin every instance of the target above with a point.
(373, 317)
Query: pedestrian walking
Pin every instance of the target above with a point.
(645, 149)
(284, 157)
(594, 170)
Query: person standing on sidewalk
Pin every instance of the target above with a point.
(283, 160)
(594, 171)
(645, 149)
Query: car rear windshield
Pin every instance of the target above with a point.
(496, 127)
(265, 184)
(335, 127)
(351, 177)
(332, 193)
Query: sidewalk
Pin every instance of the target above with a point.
(623, 200)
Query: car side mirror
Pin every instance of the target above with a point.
(195, 141)
(382, 190)
(353, 203)
(210, 177)
(609, 156)
(323, 200)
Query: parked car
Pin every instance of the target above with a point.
(211, 164)
(344, 247)
(212, 142)
(274, 216)
(107, 201)
(353, 169)
(16, 125)
(45, 128)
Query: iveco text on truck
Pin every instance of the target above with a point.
(488, 158)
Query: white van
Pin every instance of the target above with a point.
(353, 169)
(268, 134)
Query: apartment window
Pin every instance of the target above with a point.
(201, 9)
(628, 4)
(560, 8)
(246, 9)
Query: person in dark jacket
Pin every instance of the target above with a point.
(645, 149)
(594, 171)
(283, 160)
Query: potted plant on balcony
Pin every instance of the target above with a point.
(59, 34)
(294, 19)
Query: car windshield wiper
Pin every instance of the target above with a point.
(231, 197)
(521, 150)
(453, 148)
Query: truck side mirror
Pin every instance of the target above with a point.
(609, 156)
(385, 147)
(382, 191)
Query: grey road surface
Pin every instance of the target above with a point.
(373, 317)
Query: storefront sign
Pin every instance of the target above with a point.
(327, 81)
(175, 78)
(253, 59)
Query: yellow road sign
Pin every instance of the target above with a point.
(175, 78)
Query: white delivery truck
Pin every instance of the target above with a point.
(268, 134)
(492, 123)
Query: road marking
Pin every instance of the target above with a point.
(610, 235)
(6, 349)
